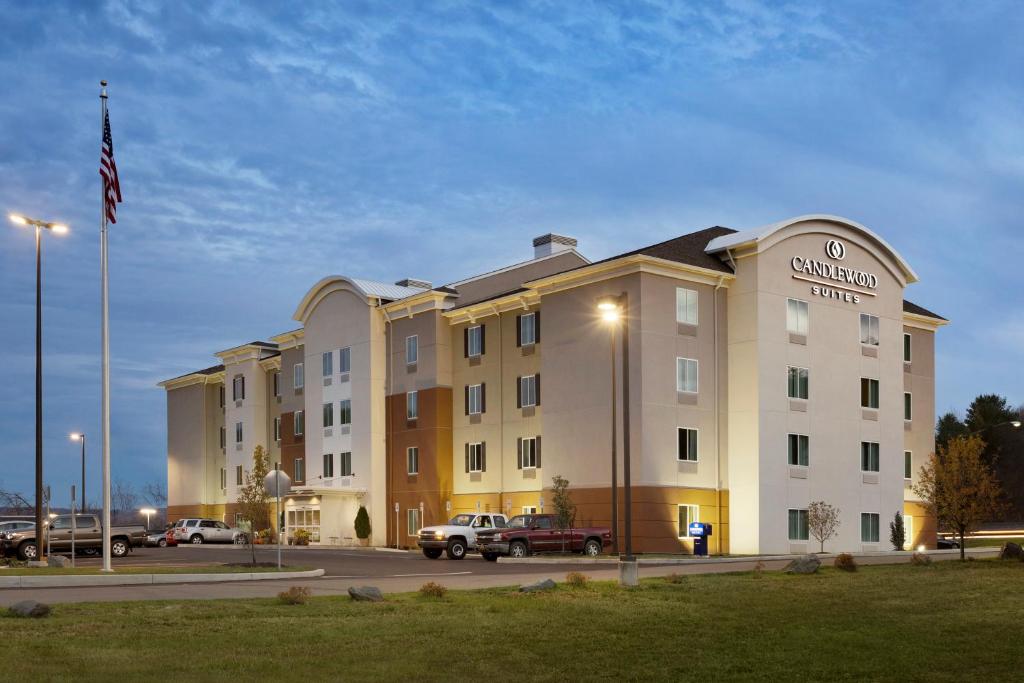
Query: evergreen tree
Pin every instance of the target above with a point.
(897, 532)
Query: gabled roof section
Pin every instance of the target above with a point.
(196, 376)
(911, 307)
(690, 249)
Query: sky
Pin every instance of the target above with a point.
(264, 145)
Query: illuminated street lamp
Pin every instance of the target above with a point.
(147, 512)
(78, 436)
(60, 229)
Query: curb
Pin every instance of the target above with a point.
(895, 555)
(73, 580)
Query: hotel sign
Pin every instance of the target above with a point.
(832, 280)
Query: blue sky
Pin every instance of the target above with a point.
(264, 145)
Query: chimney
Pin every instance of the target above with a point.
(549, 244)
(414, 283)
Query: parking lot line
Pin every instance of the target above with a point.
(402, 576)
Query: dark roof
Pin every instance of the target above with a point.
(268, 345)
(212, 370)
(447, 290)
(910, 307)
(688, 249)
(517, 290)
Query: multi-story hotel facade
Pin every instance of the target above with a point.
(768, 368)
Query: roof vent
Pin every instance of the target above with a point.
(549, 244)
(414, 283)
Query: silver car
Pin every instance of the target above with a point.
(198, 531)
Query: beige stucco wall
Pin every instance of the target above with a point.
(251, 412)
(919, 380)
(194, 457)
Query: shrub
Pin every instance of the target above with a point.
(302, 537)
(845, 562)
(920, 560)
(576, 579)
(433, 590)
(362, 524)
(296, 595)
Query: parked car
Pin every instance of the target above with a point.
(198, 531)
(16, 525)
(156, 539)
(458, 536)
(528, 534)
(88, 537)
(947, 543)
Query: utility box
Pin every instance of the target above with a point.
(700, 532)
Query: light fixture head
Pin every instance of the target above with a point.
(59, 228)
(76, 436)
(610, 316)
(15, 218)
(147, 511)
(1016, 423)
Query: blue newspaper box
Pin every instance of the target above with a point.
(700, 531)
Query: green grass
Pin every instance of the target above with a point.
(950, 621)
(90, 571)
(990, 541)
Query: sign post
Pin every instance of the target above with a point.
(72, 525)
(277, 483)
(396, 525)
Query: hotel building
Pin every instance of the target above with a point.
(768, 368)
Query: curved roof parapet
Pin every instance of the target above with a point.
(754, 235)
(368, 289)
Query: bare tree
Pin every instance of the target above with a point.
(822, 521)
(14, 502)
(155, 494)
(123, 498)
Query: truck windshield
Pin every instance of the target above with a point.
(461, 520)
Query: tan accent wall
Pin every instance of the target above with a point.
(925, 530)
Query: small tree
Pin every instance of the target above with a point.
(897, 532)
(565, 509)
(822, 521)
(362, 524)
(253, 499)
(959, 487)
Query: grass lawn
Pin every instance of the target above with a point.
(990, 541)
(210, 569)
(947, 622)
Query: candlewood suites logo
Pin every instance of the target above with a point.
(833, 280)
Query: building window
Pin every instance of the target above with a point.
(869, 527)
(529, 453)
(345, 412)
(797, 382)
(238, 475)
(686, 306)
(221, 392)
(328, 415)
(345, 463)
(277, 429)
(798, 527)
(686, 375)
(474, 341)
(529, 328)
(412, 460)
(799, 450)
(299, 469)
(908, 469)
(868, 393)
(529, 391)
(223, 477)
(412, 349)
(474, 399)
(796, 316)
(476, 460)
(328, 465)
(223, 437)
(328, 363)
(238, 388)
(687, 515)
(345, 360)
(906, 347)
(869, 329)
(529, 509)
(277, 384)
(686, 444)
(300, 423)
(411, 405)
(869, 456)
(412, 521)
(908, 406)
(238, 432)
(298, 376)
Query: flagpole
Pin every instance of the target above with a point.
(105, 344)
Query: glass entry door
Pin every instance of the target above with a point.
(304, 517)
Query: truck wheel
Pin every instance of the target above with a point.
(27, 552)
(196, 539)
(456, 549)
(490, 557)
(119, 547)
(517, 549)
(591, 548)
(432, 553)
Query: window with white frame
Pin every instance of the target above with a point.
(345, 412)
(345, 463)
(528, 453)
(328, 465)
(412, 521)
(411, 405)
(868, 393)
(529, 509)
(300, 423)
(412, 349)
(221, 393)
(799, 529)
(328, 415)
(277, 429)
(238, 432)
(869, 329)
(238, 388)
(298, 376)
(239, 479)
(474, 341)
(328, 361)
(686, 444)
(869, 456)
(908, 468)
(475, 457)
(528, 391)
(412, 460)
(688, 514)
(475, 399)
(527, 329)
(686, 306)
(299, 469)
(869, 527)
(277, 383)
(345, 360)
(686, 375)
(797, 380)
(796, 316)
(799, 449)
(908, 406)
(906, 346)
(223, 477)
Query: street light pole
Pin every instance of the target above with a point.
(78, 436)
(615, 463)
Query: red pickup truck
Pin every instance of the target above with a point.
(527, 534)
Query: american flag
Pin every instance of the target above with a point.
(108, 170)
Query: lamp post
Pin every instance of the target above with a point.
(147, 512)
(58, 229)
(78, 436)
(610, 314)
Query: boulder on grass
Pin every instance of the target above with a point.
(545, 585)
(58, 561)
(30, 608)
(808, 564)
(1011, 551)
(366, 594)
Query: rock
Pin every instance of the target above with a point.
(1011, 551)
(30, 608)
(545, 585)
(808, 564)
(920, 559)
(58, 561)
(366, 594)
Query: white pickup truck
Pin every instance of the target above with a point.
(458, 536)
